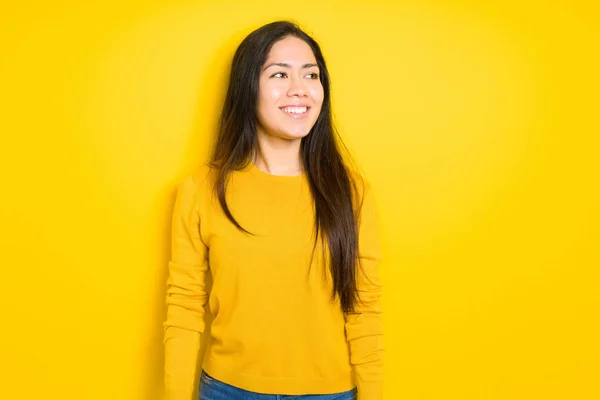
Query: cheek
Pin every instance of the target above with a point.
(270, 93)
(276, 93)
(317, 94)
(268, 99)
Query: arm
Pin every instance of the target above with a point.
(186, 295)
(364, 327)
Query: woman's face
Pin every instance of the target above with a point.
(290, 93)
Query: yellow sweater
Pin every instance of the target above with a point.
(275, 328)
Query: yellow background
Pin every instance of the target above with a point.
(476, 122)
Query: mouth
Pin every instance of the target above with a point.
(295, 112)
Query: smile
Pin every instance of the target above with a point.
(295, 112)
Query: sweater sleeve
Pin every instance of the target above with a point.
(187, 295)
(364, 326)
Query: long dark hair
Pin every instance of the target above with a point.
(332, 183)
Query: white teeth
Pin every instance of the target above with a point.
(295, 110)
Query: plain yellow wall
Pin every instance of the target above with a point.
(476, 122)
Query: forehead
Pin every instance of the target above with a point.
(290, 50)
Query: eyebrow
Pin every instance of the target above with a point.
(286, 65)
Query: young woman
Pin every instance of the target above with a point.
(287, 233)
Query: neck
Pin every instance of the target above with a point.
(277, 156)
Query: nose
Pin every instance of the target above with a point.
(297, 87)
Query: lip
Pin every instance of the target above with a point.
(296, 116)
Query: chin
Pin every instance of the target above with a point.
(292, 133)
(295, 135)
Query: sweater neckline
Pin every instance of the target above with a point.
(260, 174)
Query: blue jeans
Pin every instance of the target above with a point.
(212, 389)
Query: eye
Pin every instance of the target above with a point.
(313, 75)
(279, 75)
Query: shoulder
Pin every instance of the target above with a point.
(202, 175)
(195, 184)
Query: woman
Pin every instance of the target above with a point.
(288, 233)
